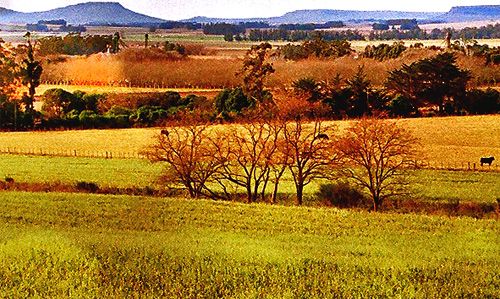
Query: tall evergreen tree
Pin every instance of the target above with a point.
(31, 72)
(431, 81)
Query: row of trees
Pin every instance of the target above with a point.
(382, 32)
(82, 110)
(407, 29)
(301, 35)
(42, 27)
(254, 158)
(74, 44)
(318, 47)
(429, 82)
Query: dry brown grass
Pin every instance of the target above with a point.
(447, 140)
(103, 69)
(219, 71)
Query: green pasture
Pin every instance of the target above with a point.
(88, 246)
(425, 184)
(105, 172)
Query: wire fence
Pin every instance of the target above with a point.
(451, 166)
(72, 153)
(126, 84)
(459, 166)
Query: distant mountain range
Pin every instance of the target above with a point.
(326, 15)
(115, 13)
(456, 14)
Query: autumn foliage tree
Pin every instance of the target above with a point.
(378, 153)
(9, 84)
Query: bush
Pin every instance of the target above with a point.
(149, 115)
(384, 51)
(483, 102)
(87, 186)
(380, 26)
(89, 119)
(293, 52)
(232, 100)
(118, 111)
(341, 195)
(401, 107)
(174, 47)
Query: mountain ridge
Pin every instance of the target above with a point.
(82, 13)
(116, 13)
(324, 15)
(472, 13)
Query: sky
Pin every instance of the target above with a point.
(182, 9)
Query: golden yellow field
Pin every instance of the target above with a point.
(449, 141)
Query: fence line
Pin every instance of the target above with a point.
(124, 84)
(72, 153)
(457, 166)
(453, 166)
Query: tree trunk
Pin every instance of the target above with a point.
(274, 198)
(300, 191)
(277, 179)
(249, 193)
(377, 202)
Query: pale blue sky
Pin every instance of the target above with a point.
(181, 9)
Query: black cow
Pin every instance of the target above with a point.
(487, 160)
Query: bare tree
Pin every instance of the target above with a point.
(247, 155)
(310, 151)
(379, 153)
(189, 154)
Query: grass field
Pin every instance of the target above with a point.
(65, 245)
(105, 172)
(447, 141)
(427, 184)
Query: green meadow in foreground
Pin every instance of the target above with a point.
(426, 184)
(87, 246)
